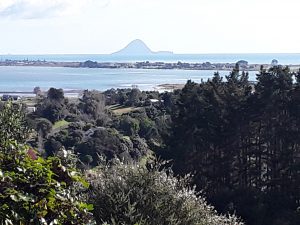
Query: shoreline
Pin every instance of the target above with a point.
(244, 66)
(76, 93)
(29, 94)
(160, 87)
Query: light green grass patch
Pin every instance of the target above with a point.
(60, 124)
(125, 110)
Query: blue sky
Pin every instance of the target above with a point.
(181, 26)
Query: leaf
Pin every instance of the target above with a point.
(43, 221)
(55, 221)
(89, 207)
(14, 198)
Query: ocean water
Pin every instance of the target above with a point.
(283, 58)
(26, 78)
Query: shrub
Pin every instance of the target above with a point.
(34, 190)
(131, 194)
(129, 126)
(12, 123)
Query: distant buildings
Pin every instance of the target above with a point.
(137, 65)
(11, 97)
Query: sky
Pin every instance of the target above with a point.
(181, 26)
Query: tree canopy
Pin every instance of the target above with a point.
(241, 140)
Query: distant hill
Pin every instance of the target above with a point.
(138, 47)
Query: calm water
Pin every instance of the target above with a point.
(26, 78)
(285, 59)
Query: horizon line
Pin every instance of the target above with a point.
(212, 53)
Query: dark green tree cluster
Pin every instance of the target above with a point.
(110, 144)
(89, 64)
(92, 104)
(242, 142)
(130, 97)
(54, 106)
(92, 129)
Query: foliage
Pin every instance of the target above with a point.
(54, 106)
(44, 126)
(55, 94)
(129, 125)
(148, 128)
(101, 142)
(92, 104)
(242, 142)
(36, 190)
(134, 97)
(132, 194)
(37, 90)
(89, 64)
(110, 144)
(12, 123)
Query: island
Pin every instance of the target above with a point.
(139, 48)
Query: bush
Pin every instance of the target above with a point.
(129, 126)
(12, 123)
(34, 190)
(131, 194)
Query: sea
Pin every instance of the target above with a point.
(24, 79)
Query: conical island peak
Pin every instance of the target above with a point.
(138, 47)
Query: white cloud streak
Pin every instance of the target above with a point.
(35, 9)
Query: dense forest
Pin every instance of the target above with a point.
(126, 156)
(241, 142)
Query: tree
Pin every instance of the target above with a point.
(55, 94)
(134, 97)
(129, 125)
(89, 64)
(101, 143)
(44, 126)
(92, 103)
(242, 143)
(54, 106)
(37, 91)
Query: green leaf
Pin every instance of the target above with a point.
(14, 198)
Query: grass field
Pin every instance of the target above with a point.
(60, 124)
(120, 109)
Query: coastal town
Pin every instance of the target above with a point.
(244, 65)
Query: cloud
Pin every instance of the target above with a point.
(33, 9)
